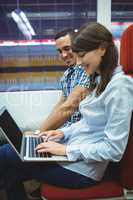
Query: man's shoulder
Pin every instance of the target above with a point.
(68, 70)
(76, 72)
(78, 68)
(74, 68)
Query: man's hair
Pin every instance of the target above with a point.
(64, 32)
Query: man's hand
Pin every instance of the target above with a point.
(54, 135)
(51, 147)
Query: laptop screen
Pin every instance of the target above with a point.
(11, 129)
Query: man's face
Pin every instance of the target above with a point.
(63, 45)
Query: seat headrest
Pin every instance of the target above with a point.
(126, 50)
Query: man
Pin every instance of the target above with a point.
(74, 84)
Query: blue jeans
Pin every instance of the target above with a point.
(13, 171)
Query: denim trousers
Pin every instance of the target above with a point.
(14, 171)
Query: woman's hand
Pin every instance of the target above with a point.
(51, 147)
(54, 135)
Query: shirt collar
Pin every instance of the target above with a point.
(118, 69)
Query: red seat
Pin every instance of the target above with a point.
(108, 187)
(113, 189)
(126, 50)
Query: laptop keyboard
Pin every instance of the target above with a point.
(33, 142)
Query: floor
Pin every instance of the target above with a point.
(30, 186)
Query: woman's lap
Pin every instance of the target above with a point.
(51, 173)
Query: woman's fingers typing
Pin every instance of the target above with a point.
(51, 147)
(55, 135)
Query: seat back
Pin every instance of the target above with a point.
(126, 60)
(126, 164)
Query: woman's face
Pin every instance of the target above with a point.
(91, 60)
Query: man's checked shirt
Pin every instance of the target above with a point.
(72, 77)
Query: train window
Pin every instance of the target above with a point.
(28, 57)
(121, 18)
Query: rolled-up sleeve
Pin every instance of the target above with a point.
(68, 130)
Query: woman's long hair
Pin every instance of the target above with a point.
(91, 37)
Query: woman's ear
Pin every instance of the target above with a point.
(103, 46)
(102, 51)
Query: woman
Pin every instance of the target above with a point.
(99, 137)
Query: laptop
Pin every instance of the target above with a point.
(24, 145)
